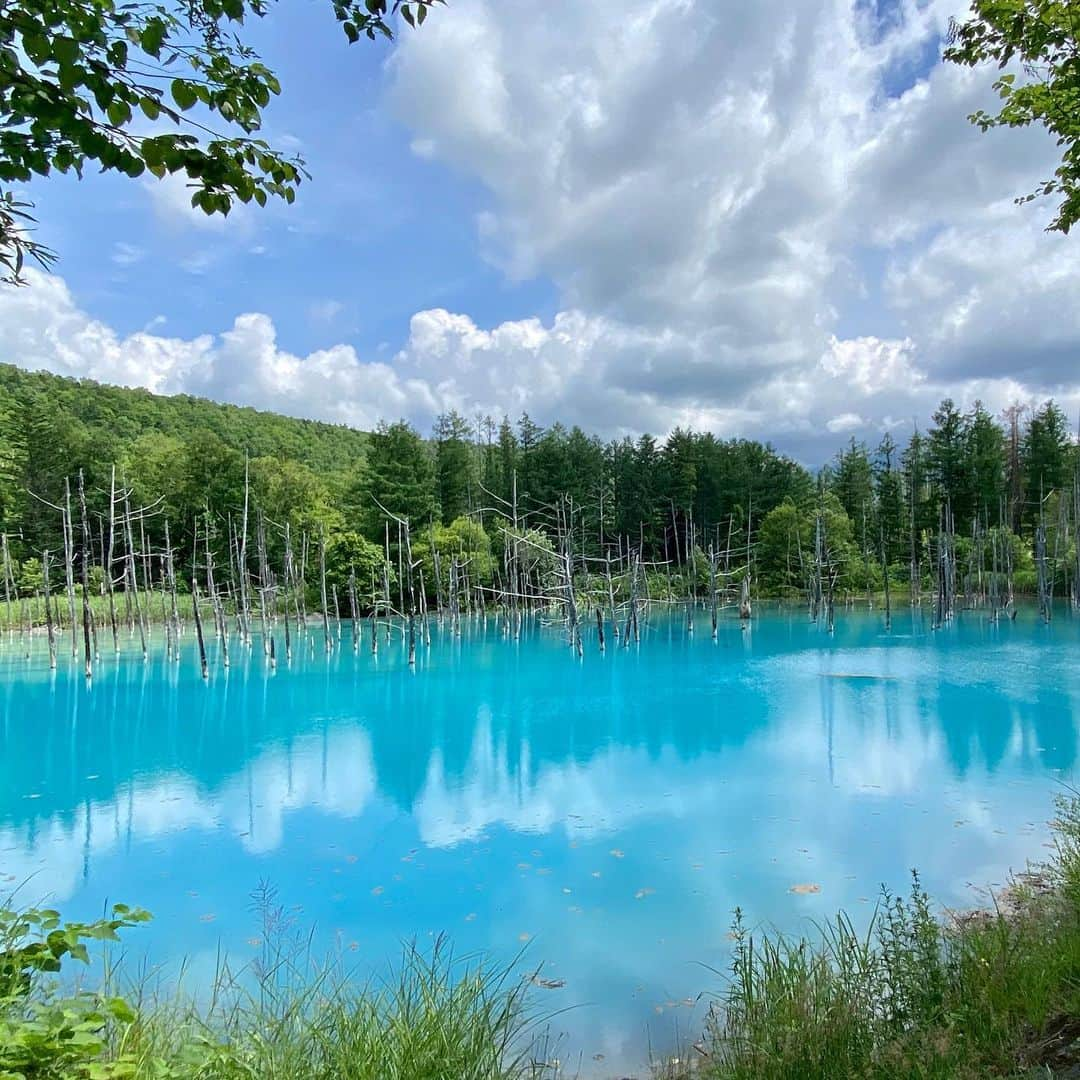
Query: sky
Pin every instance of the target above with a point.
(769, 220)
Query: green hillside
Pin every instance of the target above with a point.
(117, 416)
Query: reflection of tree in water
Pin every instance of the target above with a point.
(562, 713)
(979, 725)
(68, 746)
(517, 709)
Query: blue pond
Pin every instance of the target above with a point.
(610, 812)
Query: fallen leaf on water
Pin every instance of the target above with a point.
(254, 942)
(805, 890)
(596, 873)
(548, 984)
(470, 917)
(567, 891)
(642, 893)
(617, 853)
(524, 937)
(524, 865)
(207, 918)
(377, 891)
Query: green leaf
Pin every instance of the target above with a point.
(183, 94)
(66, 50)
(119, 112)
(152, 36)
(121, 1010)
(36, 47)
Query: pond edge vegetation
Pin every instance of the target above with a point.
(913, 994)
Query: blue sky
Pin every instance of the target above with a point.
(375, 230)
(773, 221)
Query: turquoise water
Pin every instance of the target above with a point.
(610, 812)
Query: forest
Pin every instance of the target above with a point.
(192, 468)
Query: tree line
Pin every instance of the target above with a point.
(195, 465)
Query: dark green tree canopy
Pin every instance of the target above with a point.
(1043, 37)
(80, 81)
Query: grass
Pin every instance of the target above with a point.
(913, 996)
(995, 994)
(434, 1017)
(30, 611)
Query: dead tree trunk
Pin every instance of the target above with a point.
(170, 571)
(354, 611)
(45, 568)
(133, 572)
(7, 586)
(84, 568)
(322, 586)
(69, 566)
(195, 605)
(108, 560)
(885, 582)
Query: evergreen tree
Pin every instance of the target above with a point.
(921, 512)
(1047, 455)
(1014, 467)
(678, 490)
(986, 463)
(892, 524)
(528, 439)
(852, 481)
(400, 480)
(946, 447)
(455, 465)
(507, 465)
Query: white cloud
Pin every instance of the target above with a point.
(325, 311)
(742, 185)
(171, 199)
(872, 365)
(125, 254)
(769, 221)
(337, 777)
(604, 375)
(848, 421)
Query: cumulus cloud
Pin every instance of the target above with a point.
(337, 778)
(774, 221)
(604, 375)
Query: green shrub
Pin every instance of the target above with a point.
(436, 1017)
(914, 996)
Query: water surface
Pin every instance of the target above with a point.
(609, 812)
